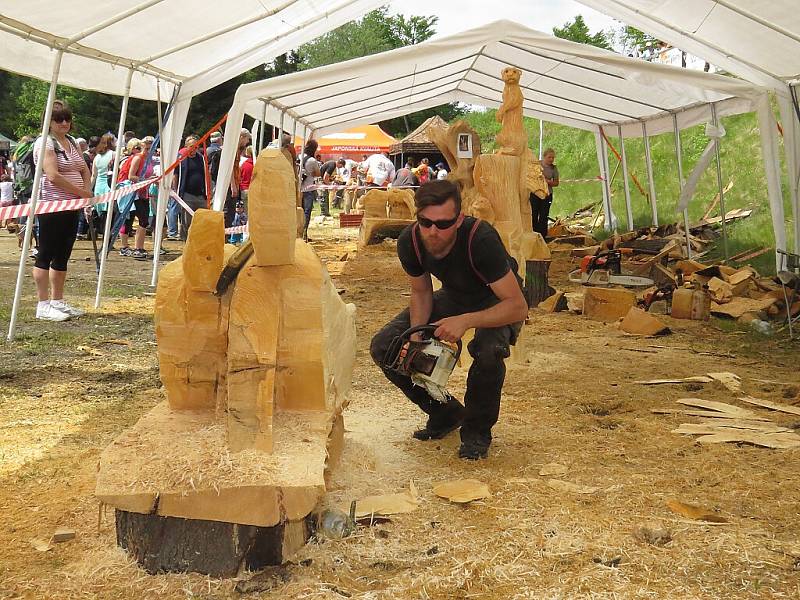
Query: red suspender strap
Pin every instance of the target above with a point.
(469, 251)
(416, 244)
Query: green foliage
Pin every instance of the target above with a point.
(376, 32)
(637, 43)
(576, 158)
(578, 31)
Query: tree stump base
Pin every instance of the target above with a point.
(175, 545)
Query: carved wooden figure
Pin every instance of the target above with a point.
(222, 475)
(512, 138)
(386, 214)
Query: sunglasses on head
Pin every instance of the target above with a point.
(440, 224)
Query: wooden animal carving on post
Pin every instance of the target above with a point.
(223, 474)
(512, 138)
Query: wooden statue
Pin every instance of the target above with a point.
(223, 474)
(496, 187)
(512, 138)
(386, 213)
(461, 168)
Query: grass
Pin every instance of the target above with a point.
(740, 159)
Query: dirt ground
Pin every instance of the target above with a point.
(66, 390)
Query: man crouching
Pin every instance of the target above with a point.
(480, 290)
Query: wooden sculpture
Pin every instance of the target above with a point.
(223, 474)
(386, 214)
(496, 187)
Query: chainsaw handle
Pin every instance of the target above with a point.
(429, 329)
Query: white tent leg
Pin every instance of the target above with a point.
(37, 184)
(771, 159)
(228, 156)
(541, 139)
(715, 122)
(602, 163)
(158, 227)
(111, 205)
(170, 139)
(626, 185)
(650, 181)
(679, 160)
(263, 128)
(302, 149)
(283, 115)
(791, 149)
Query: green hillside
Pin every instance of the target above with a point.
(576, 158)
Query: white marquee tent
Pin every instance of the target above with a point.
(562, 81)
(154, 47)
(758, 40)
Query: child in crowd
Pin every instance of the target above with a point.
(239, 219)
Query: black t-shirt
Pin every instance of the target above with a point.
(329, 168)
(459, 281)
(195, 175)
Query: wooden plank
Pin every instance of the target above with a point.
(718, 406)
(697, 379)
(707, 428)
(767, 440)
(786, 408)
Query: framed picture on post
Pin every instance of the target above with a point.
(464, 149)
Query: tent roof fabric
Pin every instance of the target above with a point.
(755, 39)
(563, 82)
(198, 44)
(418, 140)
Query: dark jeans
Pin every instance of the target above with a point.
(308, 206)
(540, 208)
(489, 349)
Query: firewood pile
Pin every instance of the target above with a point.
(660, 253)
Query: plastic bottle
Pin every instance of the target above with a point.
(762, 327)
(336, 524)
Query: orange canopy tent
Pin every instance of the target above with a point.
(352, 143)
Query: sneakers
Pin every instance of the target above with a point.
(48, 312)
(161, 252)
(173, 238)
(139, 254)
(68, 309)
(125, 251)
(445, 422)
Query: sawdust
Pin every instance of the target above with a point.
(574, 403)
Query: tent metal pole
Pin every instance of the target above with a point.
(603, 164)
(541, 138)
(679, 160)
(283, 115)
(722, 211)
(626, 185)
(650, 181)
(158, 228)
(300, 165)
(112, 203)
(37, 184)
(262, 129)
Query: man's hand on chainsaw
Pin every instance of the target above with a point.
(451, 329)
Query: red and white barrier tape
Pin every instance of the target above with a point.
(596, 179)
(54, 206)
(190, 210)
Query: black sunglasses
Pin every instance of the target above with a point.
(440, 224)
(62, 119)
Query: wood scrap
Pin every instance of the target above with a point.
(702, 413)
(786, 408)
(462, 491)
(730, 380)
(389, 504)
(709, 428)
(639, 322)
(553, 469)
(722, 407)
(695, 513)
(780, 441)
(696, 379)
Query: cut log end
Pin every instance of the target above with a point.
(174, 545)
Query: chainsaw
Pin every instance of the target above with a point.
(604, 269)
(429, 363)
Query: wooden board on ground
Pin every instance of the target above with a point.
(639, 322)
(779, 441)
(607, 304)
(786, 408)
(728, 409)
